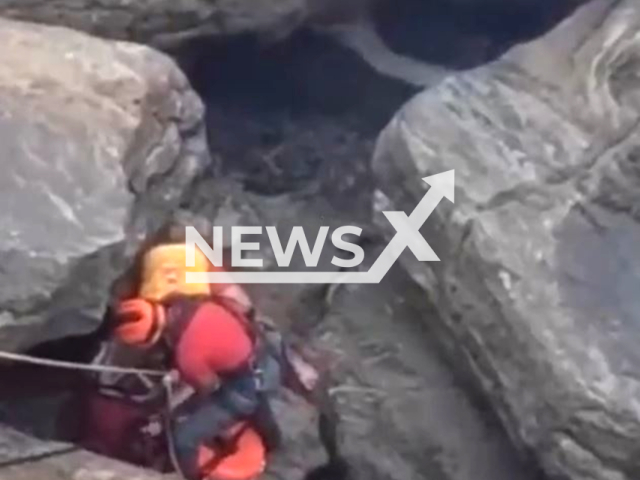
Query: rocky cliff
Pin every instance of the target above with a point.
(539, 254)
(99, 142)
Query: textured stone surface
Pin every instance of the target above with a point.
(162, 22)
(405, 416)
(25, 458)
(98, 141)
(537, 287)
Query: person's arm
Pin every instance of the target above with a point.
(195, 370)
(206, 346)
(231, 294)
(234, 297)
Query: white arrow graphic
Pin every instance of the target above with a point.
(407, 236)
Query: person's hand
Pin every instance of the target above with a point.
(306, 373)
(181, 392)
(172, 378)
(153, 427)
(237, 299)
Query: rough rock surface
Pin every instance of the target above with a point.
(162, 22)
(537, 286)
(25, 458)
(405, 416)
(98, 143)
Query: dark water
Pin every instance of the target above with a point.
(466, 34)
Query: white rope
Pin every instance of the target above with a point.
(168, 429)
(22, 358)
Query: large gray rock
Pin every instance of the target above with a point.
(537, 286)
(99, 142)
(405, 416)
(163, 22)
(24, 458)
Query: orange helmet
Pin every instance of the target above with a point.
(139, 322)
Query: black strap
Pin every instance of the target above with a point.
(179, 311)
(155, 324)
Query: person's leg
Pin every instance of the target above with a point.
(266, 425)
(270, 373)
(302, 377)
(221, 411)
(336, 466)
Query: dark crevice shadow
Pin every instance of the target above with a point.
(33, 397)
(305, 76)
(464, 35)
(307, 111)
(287, 116)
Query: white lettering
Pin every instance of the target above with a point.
(238, 246)
(194, 238)
(297, 237)
(358, 252)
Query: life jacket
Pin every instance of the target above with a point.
(164, 273)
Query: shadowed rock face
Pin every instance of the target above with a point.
(405, 416)
(163, 22)
(539, 253)
(98, 142)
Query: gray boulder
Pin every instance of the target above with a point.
(536, 290)
(98, 143)
(163, 22)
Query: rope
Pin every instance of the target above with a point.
(22, 358)
(168, 429)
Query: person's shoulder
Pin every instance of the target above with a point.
(211, 308)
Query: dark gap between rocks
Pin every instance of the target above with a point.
(300, 117)
(463, 35)
(32, 396)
